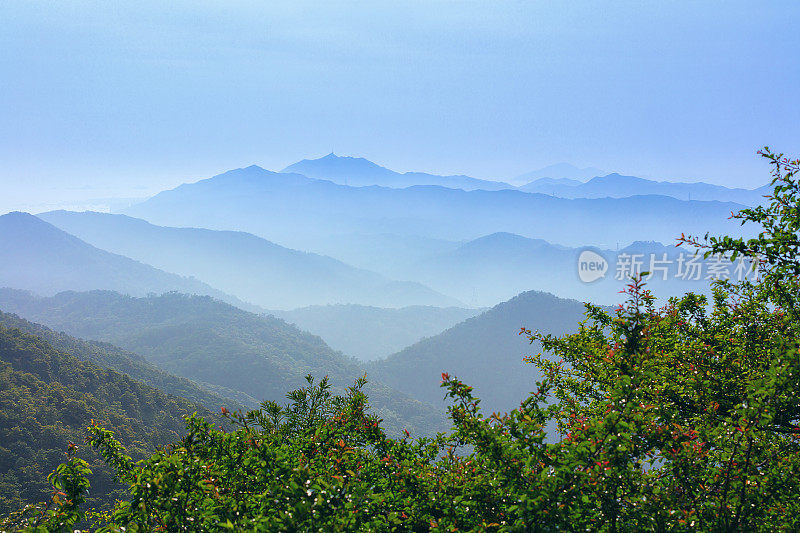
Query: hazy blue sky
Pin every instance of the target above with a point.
(126, 98)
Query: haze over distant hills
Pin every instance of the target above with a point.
(499, 266)
(485, 351)
(37, 256)
(477, 247)
(243, 264)
(618, 186)
(559, 171)
(357, 171)
(368, 333)
(562, 180)
(296, 211)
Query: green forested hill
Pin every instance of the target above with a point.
(48, 398)
(485, 351)
(207, 340)
(109, 356)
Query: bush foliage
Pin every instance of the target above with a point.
(682, 417)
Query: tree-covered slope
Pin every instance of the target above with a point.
(485, 351)
(134, 365)
(48, 398)
(207, 340)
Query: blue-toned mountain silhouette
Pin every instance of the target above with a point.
(39, 257)
(244, 265)
(359, 172)
(295, 211)
(618, 186)
(563, 172)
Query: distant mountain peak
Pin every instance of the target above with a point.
(18, 220)
(19, 215)
(560, 171)
(647, 247)
(617, 177)
(504, 240)
(359, 172)
(554, 181)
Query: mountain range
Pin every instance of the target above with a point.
(206, 340)
(559, 172)
(562, 180)
(37, 256)
(501, 265)
(359, 172)
(244, 265)
(297, 211)
(618, 186)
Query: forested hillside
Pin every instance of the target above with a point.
(485, 351)
(207, 340)
(134, 365)
(48, 398)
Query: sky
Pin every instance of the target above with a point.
(123, 99)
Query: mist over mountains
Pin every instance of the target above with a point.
(360, 172)
(618, 186)
(228, 291)
(37, 256)
(399, 266)
(369, 333)
(559, 172)
(244, 265)
(298, 212)
(485, 351)
(390, 269)
(502, 265)
(561, 180)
